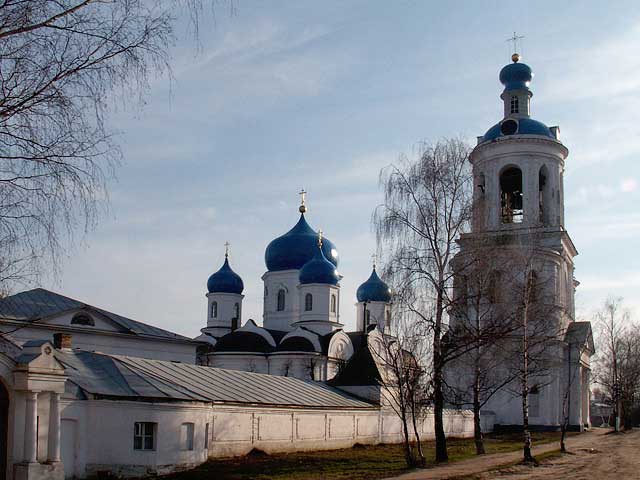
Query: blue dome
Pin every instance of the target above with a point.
(373, 290)
(296, 247)
(525, 126)
(516, 76)
(319, 270)
(225, 280)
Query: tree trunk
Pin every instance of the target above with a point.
(438, 396)
(414, 421)
(563, 434)
(477, 427)
(528, 457)
(408, 452)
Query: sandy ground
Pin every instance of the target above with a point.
(594, 456)
(611, 456)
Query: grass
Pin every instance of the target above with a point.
(357, 463)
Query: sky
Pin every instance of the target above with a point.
(322, 95)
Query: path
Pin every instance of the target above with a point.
(595, 439)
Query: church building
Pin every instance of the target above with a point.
(519, 240)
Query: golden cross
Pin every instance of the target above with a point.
(374, 257)
(303, 195)
(320, 238)
(515, 39)
(226, 249)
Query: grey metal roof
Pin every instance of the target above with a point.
(578, 333)
(33, 305)
(120, 376)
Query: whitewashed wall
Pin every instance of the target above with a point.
(98, 434)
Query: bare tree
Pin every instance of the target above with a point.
(480, 323)
(63, 63)
(618, 367)
(402, 357)
(427, 205)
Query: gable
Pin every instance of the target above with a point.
(86, 319)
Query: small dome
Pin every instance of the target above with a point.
(225, 280)
(319, 270)
(523, 126)
(296, 247)
(516, 76)
(373, 290)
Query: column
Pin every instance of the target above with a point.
(53, 453)
(31, 427)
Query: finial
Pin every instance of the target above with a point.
(303, 195)
(226, 249)
(374, 257)
(320, 238)
(516, 56)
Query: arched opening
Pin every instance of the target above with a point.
(367, 318)
(214, 309)
(544, 196)
(236, 316)
(4, 429)
(387, 325)
(280, 303)
(511, 198)
(493, 288)
(308, 302)
(82, 319)
(334, 303)
(515, 105)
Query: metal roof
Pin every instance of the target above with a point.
(129, 377)
(33, 305)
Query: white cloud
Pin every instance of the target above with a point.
(629, 185)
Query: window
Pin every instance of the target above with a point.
(206, 435)
(388, 320)
(214, 309)
(511, 197)
(514, 104)
(308, 302)
(544, 196)
(334, 302)
(367, 317)
(144, 436)
(82, 319)
(493, 287)
(234, 323)
(186, 436)
(280, 306)
(236, 310)
(534, 401)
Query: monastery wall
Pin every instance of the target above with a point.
(98, 435)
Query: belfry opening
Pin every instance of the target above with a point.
(511, 197)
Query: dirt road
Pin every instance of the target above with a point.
(612, 456)
(594, 456)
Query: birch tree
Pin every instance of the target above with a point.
(427, 205)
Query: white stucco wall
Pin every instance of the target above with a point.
(103, 432)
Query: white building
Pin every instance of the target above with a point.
(301, 334)
(518, 168)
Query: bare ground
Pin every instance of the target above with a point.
(615, 456)
(594, 455)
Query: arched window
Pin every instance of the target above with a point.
(82, 319)
(308, 302)
(544, 196)
(280, 306)
(532, 287)
(511, 198)
(367, 317)
(515, 108)
(236, 310)
(388, 320)
(493, 287)
(214, 309)
(334, 302)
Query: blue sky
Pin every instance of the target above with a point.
(321, 95)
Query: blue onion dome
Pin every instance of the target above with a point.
(225, 280)
(517, 126)
(516, 76)
(295, 248)
(374, 290)
(319, 269)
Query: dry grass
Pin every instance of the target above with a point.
(358, 463)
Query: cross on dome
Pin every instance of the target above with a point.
(320, 238)
(226, 249)
(303, 195)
